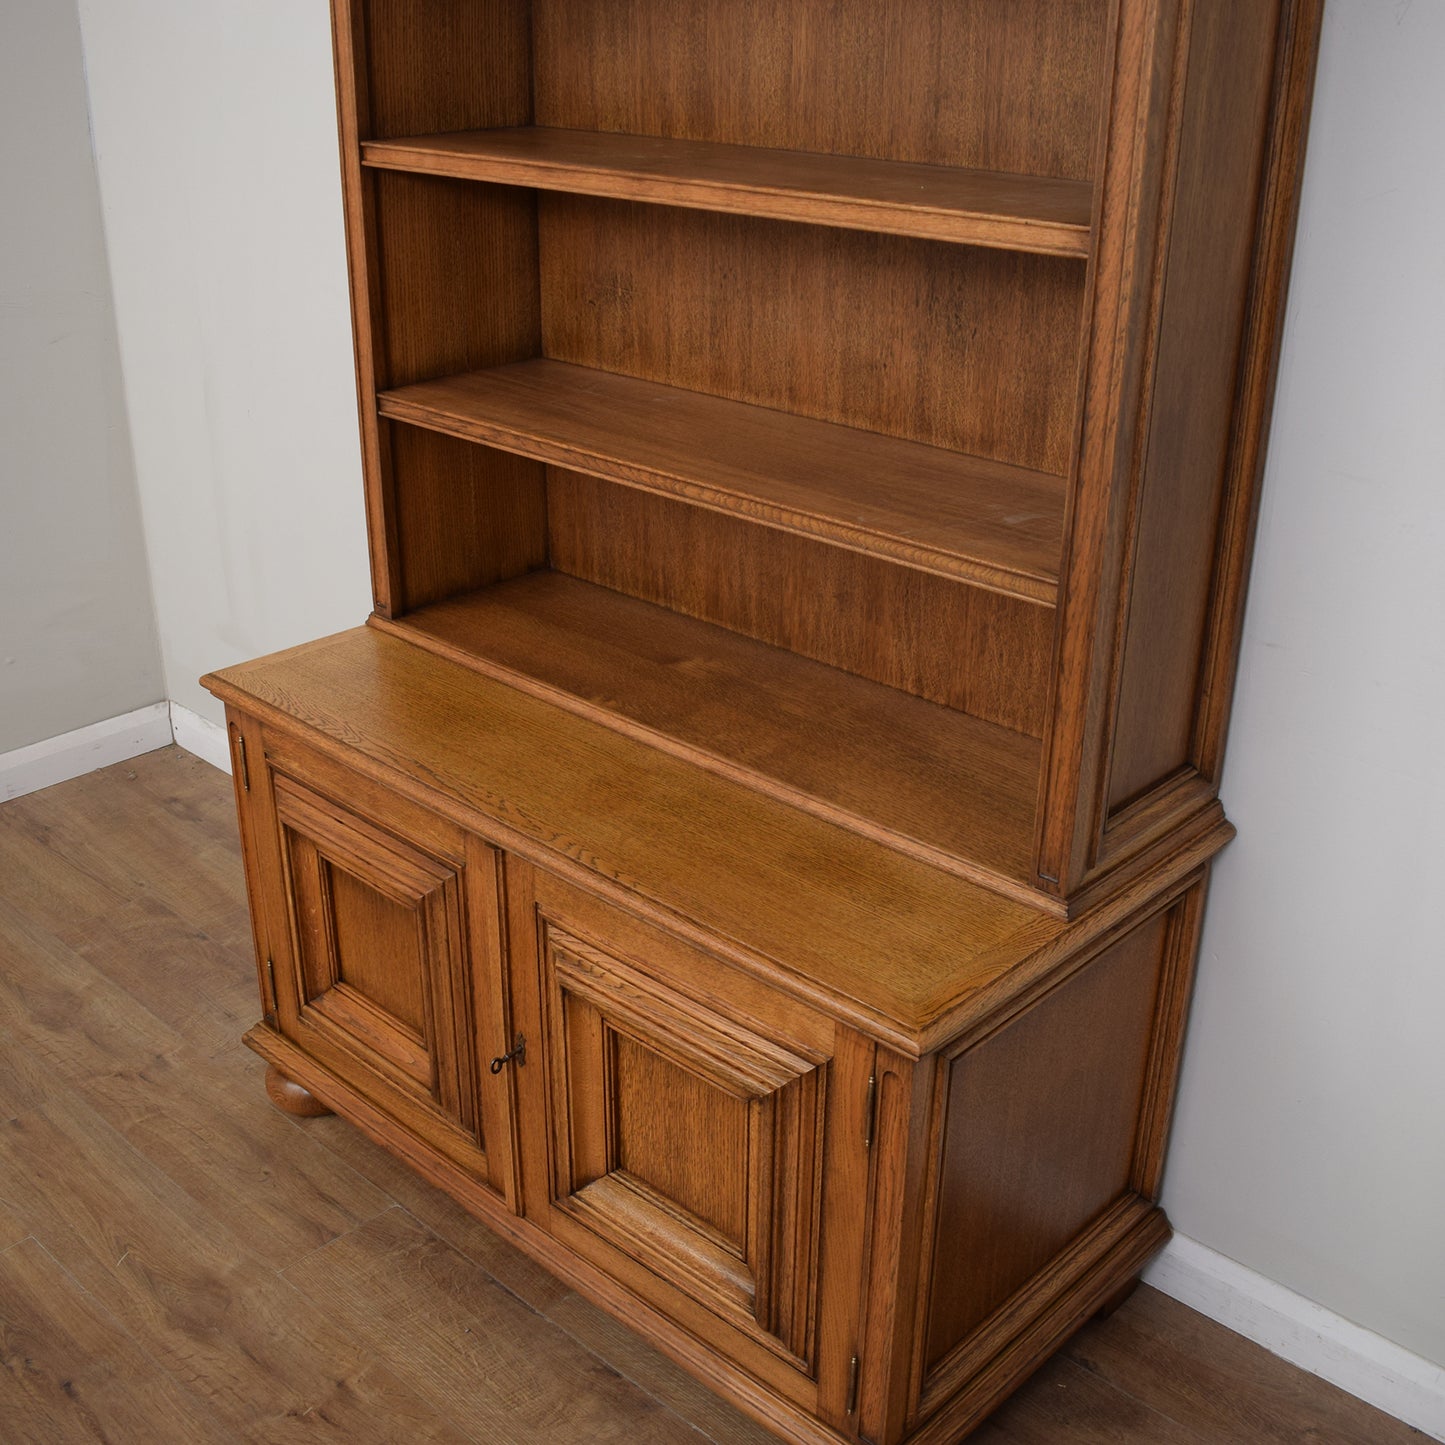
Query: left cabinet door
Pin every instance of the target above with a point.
(381, 924)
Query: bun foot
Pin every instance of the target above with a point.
(288, 1095)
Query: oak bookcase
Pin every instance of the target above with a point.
(754, 855)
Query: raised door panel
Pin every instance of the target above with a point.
(388, 962)
(688, 1113)
(692, 1144)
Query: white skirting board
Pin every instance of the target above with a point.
(199, 735)
(56, 760)
(72, 755)
(1304, 1333)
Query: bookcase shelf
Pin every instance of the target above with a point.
(932, 781)
(971, 518)
(1043, 214)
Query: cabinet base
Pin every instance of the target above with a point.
(1097, 1273)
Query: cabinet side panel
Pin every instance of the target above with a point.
(970, 349)
(1039, 1131)
(1008, 87)
(977, 651)
(1182, 488)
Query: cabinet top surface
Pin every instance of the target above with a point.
(891, 942)
(901, 949)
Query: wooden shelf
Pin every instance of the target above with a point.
(933, 782)
(981, 521)
(945, 203)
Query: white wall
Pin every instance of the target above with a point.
(215, 133)
(77, 630)
(1310, 1141)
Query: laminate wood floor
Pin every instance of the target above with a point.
(181, 1262)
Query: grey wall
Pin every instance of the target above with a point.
(215, 134)
(1310, 1142)
(77, 628)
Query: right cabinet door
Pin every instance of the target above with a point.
(688, 1111)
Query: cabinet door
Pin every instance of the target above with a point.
(387, 952)
(688, 1110)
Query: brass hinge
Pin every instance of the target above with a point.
(241, 763)
(853, 1374)
(270, 990)
(871, 1122)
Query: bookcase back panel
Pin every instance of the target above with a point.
(970, 649)
(455, 276)
(465, 516)
(959, 347)
(1008, 86)
(443, 65)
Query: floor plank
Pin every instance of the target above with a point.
(1191, 1368)
(441, 1214)
(71, 1371)
(1066, 1403)
(395, 1285)
(225, 1324)
(654, 1372)
(179, 1262)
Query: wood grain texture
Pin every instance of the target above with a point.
(447, 65)
(933, 781)
(1067, 1076)
(904, 950)
(980, 208)
(1181, 486)
(660, 1107)
(463, 516)
(933, 637)
(439, 892)
(157, 1195)
(873, 929)
(398, 249)
(392, 1277)
(687, 951)
(962, 517)
(1194, 232)
(1005, 88)
(969, 349)
(72, 1372)
(358, 196)
(1125, 280)
(456, 272)
(1269, 285)
(682, 1136)
(1181, 1366)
